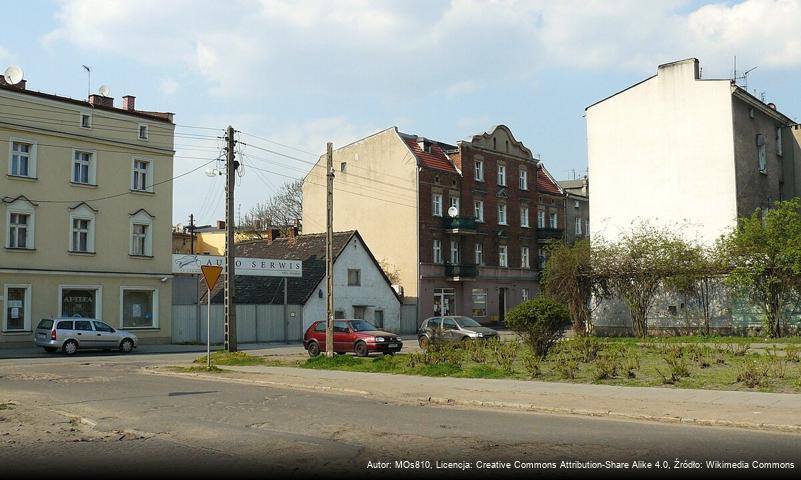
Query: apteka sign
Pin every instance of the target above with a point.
(259, 267)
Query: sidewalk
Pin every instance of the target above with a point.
(752, 410)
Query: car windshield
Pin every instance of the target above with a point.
(362, 326)
(465, 322)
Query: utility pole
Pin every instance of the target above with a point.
(230, 267)
(192, 233)
(329, 250)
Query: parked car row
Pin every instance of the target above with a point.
(363, 338)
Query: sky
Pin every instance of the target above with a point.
(294, 74)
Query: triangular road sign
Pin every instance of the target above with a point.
(211, 273)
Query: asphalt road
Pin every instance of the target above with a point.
(148, 424)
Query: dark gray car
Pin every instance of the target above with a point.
(452, 329)
(70, 334)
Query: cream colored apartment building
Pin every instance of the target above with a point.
(86, 213)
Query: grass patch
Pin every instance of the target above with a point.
(196, 368)
(666, 363)
(703, 339)
(6, 406)
(235, 359)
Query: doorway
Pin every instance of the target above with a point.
(502, 304)
(444, 301)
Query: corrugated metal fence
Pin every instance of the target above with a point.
(254, 323)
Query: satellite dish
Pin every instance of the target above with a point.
(453, 212)
(13, 75)
(104, 90)
(179, 227)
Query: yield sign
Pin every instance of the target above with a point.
(211, 273)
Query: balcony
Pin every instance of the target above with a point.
(461, 272)
(550, 234)
(466, 225)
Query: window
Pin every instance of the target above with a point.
(761, 153)
(102, 327)
(83, 167)
(20, 217)
(578, 226)
(479, 171)
(343, 166)
(141, 244)
(779, 148)
(524, 263)
(554, 220)
(479, 253)
(455, 203)
(139, 307)
(455, 252)
(503, 259)
(339, 314)
(80, 302)
(501, 174)
(541, 218)
(501, 214)
(541, 257)
(86, 120)
(321, 327)
(478, 210)
(479, 302)
(22, 159)
(524, 293)
(437, 251)
(523, 179)
(17, 315)
(143, 132)
(524, 216)
(378, 318)
(18, 230)
(80, 235)
(142, 180)
(437, 204)
(354, 277)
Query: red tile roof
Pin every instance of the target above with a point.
(545, 184)
(436, 159)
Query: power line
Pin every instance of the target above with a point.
(316, 155)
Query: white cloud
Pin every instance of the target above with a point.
(168, 86)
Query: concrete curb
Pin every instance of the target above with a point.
(612, 414)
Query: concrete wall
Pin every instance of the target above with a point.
(374, 292)
(377, 195)
(255, 323)
(663, 151)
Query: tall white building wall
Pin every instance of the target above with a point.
(662, 151)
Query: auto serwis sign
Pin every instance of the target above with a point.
(259, 267)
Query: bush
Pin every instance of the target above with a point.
(586, 347)
(566, 365)
(792, 352)
(476, 351)
(539, 322)
(632, 365)
(532, 364)
(505, 354)
(752, 372)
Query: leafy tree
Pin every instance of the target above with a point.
(539, 321)
(283, 209)
(568, 278)
(636, 266)
(391, 271)
(764, 252)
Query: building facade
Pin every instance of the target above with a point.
(698, 153)
(87, 208)
(577, 209)
(478, 258)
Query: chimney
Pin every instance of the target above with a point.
(220, 224)
(129, 102)
(100, 100)
(272, 234)
(19, 86)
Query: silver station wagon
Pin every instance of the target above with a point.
(71, 334)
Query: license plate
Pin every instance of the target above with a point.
(393, 345)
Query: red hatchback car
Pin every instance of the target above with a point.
(358, 336)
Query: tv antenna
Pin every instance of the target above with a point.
(89, 80)
(744, 76)
(13, 75)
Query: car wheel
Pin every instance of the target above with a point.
(126, 346)
(313, 349)
(465, 339)
(70, 347)
(389, 352)
(50, 349)
(361, 349)
(424, 342)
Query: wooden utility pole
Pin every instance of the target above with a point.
(192, 233)
(329, 250)
(230, 267)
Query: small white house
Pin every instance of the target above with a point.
(361, 288)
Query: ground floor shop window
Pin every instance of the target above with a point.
(139, 308)
(80, 302)
(17, 308)
(444, 301)
(479, 302)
